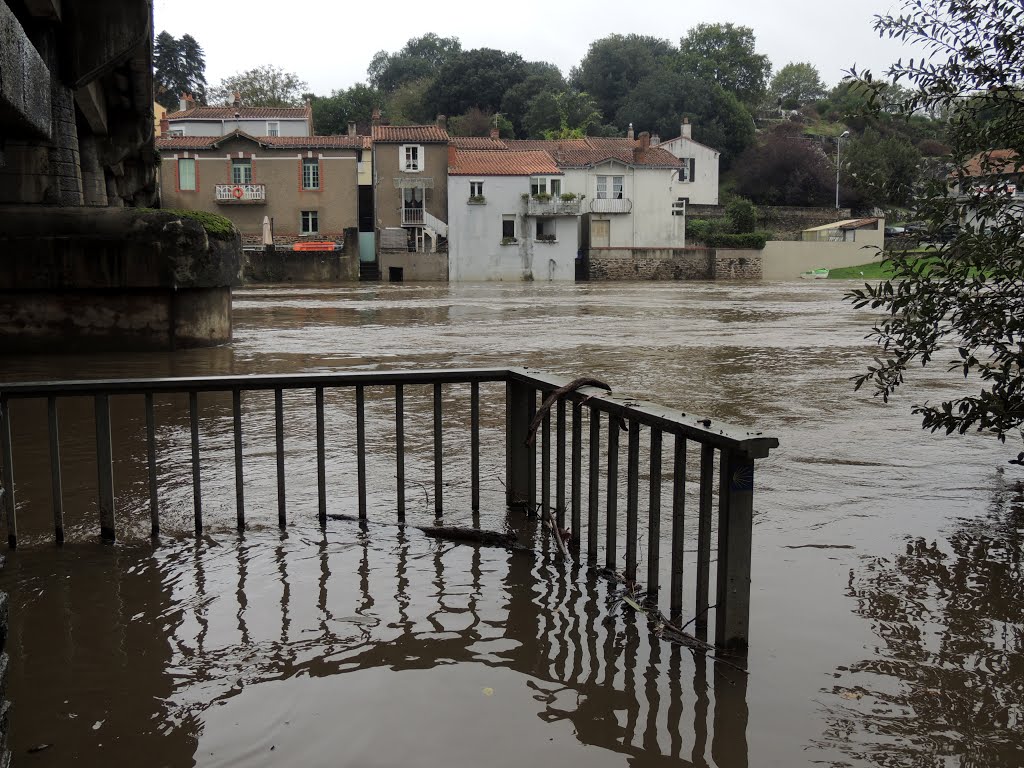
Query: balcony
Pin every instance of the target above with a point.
(412, 217)
(231, 194)
(553, 207)
(611, 205)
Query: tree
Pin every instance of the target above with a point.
(614, 65)
(408, 104)
(966, 301)
(541, 77)
(562, 115)
(786, 169)
(179, 67)
(797, 84)
(421, 57)
(725, 53)
(477, 78)
(476, 122)
(879, 171)
(332, 114)
(266, 86)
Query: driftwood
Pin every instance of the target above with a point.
(555, 396)
(457, 534)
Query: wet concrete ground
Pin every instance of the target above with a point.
(886, 603)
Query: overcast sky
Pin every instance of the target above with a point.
(329, 43)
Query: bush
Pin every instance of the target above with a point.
(568, 196)
(754, 240)
(933, 148)
(742, 214)
(701, 229)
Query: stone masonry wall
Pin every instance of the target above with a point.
(786, 222)
(738, 264)
(651, 263)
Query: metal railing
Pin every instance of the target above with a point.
(564, 497)
(553, 207)
(240, 193)
(611, 205)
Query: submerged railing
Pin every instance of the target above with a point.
(524, 459)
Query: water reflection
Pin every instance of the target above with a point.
(946, 681)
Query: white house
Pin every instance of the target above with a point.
(700, 165)
(193, 120)
(511, 216)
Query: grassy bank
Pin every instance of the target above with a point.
(872, 270)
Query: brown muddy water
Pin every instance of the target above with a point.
(887, 602)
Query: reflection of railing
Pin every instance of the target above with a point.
(523, 429)
(412, 216)
(611, 205)
(240, 193)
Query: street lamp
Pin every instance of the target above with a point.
(839, 146)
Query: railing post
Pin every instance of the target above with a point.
(105, 468)
(519, 457)
(735, 529)
(7, 487)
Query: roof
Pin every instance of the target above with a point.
(476, 162)
(593, 150)
(231, 112)
(993, 162)
(395, 134)
(278, 142)
(546, 145)
(690, 140)
(479, 142)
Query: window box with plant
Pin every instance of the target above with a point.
(477, 200)
(567, 197)
(510, 241)
(542, 197)
(546, 239)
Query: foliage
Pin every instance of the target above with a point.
(565, 115)
(265, 86)
(568, 197)
(725, 54)
(541, 78)
(421, 57)
(786, 169)
(878, 171)
(332, 114)
(478, 78)
(476, 122)
(509, 241)
(218, 227)
(932, 148)
(797, 84)
(752, 240)
(408, 104)
(742, 214)
(614, 65)
(971, 298)
(699, 230)
(179, 67)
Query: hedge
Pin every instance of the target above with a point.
(753, 240)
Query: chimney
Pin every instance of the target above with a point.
(629, 133)
(237, 101)
(451, 155)
(375, 117)
(560, 154)
(684, 129)
(165, 125)
(645, 140)
(351, 129)
(442, 122)
(495, 133)
(183, 102)
(189, 101)
(655, 139)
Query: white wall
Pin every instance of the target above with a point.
(475, 252)
(251, 127)
(786, 259)
(703, 190)
(651, 192)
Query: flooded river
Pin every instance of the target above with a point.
(887, 602)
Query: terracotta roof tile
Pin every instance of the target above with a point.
(996, 161)
(244, 113)
(184, 142)
(546, 145)
(427, 134)
(479, 142)
(280, 142)
(473, 162)
(581, 153)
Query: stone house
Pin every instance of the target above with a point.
(699, 176)
(410, 167)
(194, 120)
(508, 219)
(306, 185)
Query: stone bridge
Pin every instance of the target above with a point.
(77, 264)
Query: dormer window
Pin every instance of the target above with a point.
(273, 128)
(410, 158)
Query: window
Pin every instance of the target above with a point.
(310, 223)
(679, 206)
(311, 174)
(556, 187)
(175, 132)
(546, 230)
(538, 186)
(508, 226)
(241, 171)
(689, 169)
(609, 187)
(410, 158)
(476, 189)
(187, 174)
(273, 128)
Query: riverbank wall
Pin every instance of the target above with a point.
(673, 264)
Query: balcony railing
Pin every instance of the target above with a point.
(559, 442)
(611, 205)
(240, 193)
(553, 207)
(412, 216)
